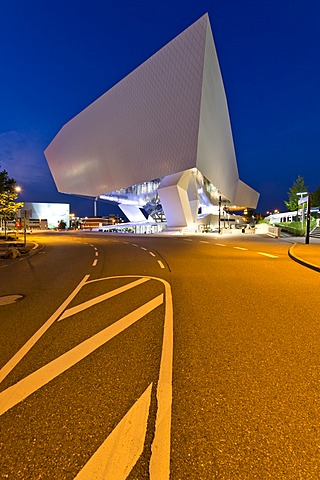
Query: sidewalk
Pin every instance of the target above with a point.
(307, 255)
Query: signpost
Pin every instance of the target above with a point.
(302, 201)
(23, 213)
(308, 219)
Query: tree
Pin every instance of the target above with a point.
(315, 198)
(62, 225)
(8, 197)
(297, 187)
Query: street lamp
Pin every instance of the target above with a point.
(17, 189)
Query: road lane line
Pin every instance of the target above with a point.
(240, 248)
(96, 254)
(6, 369)
(188, 240)
(160, 450)
(203, 241)
(142, 248)
(135, 245)
(30, 384)
(267, 255)
(152, 254)
(119, 453)
(101, 298)
(161, 264)
(220, 244)
(36, 245)
(94, 263)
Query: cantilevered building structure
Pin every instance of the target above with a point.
(159, 139)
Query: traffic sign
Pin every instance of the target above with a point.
(302, 200)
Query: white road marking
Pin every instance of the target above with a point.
(95, 248)
(119, 453)
(96, 254)
(91, 245)
(188, 240)
(267, 255)
(203, 241)
(220, 244)
(30, 384)
(94, 263)
(161, 264)
(8, 299)
(240, 248)
(36, 245)
(135, 245)
(6, 369)
(142, 248)
(152, 254)
(160, 451)
(101, 298)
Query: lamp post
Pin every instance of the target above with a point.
(95, 207)
(17, 189)
(219, 216)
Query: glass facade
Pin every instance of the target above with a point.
(145, 195)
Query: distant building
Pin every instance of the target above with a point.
(45, 215)
(99, 222)
(160, 139)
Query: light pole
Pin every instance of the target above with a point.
(219, 216)
(95, 207)
(17, 189)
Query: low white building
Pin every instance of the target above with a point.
(46, 215)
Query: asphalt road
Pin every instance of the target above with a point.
(133, 356)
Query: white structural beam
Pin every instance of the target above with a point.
(174, 192)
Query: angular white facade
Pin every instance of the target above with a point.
(168, 116)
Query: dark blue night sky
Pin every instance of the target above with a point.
(57, 56)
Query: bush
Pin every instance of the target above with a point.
(294, 228)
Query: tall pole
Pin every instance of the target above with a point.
(219, 229)
(95, 207)
(308, 219)
(25, 227)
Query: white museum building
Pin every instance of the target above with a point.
(160, 140)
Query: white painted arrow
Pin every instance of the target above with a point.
(101, 298)
(30, 384)
(119, 453)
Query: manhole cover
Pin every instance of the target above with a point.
(7, 299)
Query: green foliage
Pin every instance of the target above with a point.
(8, 197)
(297, 187)
(296, 228)
(62, 225)
(315, 198)
(293, 228)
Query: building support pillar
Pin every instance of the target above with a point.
(179, 199)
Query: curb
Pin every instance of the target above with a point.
(300, 260)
